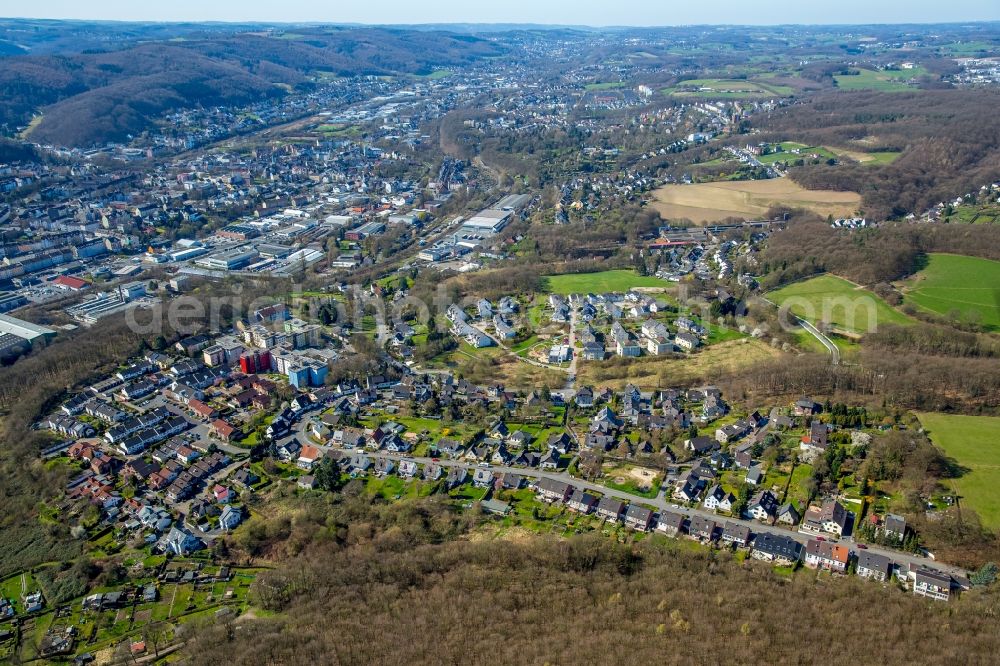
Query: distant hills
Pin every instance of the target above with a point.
(92, 97)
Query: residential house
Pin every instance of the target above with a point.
(776, 548)
(448, 447)
(610, 509)
(743, 455)
(359, 464)
(289, 451)
(582, 502)
(223, 430)
(686, 341)
(717, 499)
(931, 583)
(736, 534)
(702, 528)
(826, 555)
(763, 505)
(508, 481)
(670, 523)
(408, 468)
(551, 490)
(230, 517)
(874, 566)
(482, 477)
(894, 527)
(638, 518)
(755, 475)
(831, 518)
(806, 407)
(456, 477)
(788, 515)
(384, 467)
(179, 541)
(701, 445)
(815, 442)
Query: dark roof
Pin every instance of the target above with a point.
(636, 512)
(869, 560)
(611, 504)
(775, 544)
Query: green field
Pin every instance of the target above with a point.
(882, 157)
(884, 81)
(804, 152)
(728, 88)
(608, 85)
(830, 299)
(974, 214)
(974, 443)
(596, 283)
(438, 74)
(951, 284)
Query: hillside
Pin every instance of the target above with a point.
(950, 141)
(94, 97)
(535, 600)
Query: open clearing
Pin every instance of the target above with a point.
(599, 283)
(728, 88)
(835, 301)
(712, 202)
(974, 442)
(870, 159)
(711, 361)
(955, 284)
(883, 81)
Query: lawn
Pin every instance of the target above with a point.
(605, 281)
(884, 81)
(803, 153)
(608, 85)
(952, 284)
(828, 298)
(974, 443)
(438, 74)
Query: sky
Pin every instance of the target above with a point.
(564, 12)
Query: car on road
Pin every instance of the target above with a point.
(862, 546)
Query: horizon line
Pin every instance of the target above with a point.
(514, 24)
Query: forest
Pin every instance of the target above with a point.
(97, 96)
(381, 584)
(868, 256)
(950, 141)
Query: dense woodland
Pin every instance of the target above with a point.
(950, 139)
(868, 256)
(400, 585)
(94, 97)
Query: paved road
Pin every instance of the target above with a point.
(825, 341)
(816, 333)
(661, 503)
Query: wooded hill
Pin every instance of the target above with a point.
(90, 98)
(400, 584)
(950, 141)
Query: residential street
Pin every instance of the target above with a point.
(664, 504)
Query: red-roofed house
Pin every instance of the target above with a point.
(201, 409)
(222, 430)
(308, 456)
